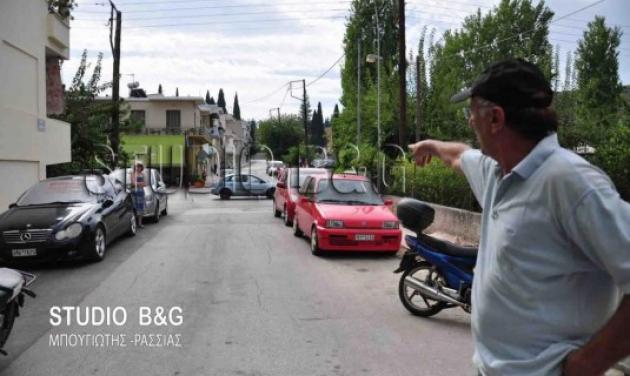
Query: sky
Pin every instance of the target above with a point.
(255, 47)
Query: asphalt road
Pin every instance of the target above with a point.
(254, 301)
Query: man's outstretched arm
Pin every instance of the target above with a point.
(449, 152)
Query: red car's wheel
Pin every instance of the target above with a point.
(296, 229)
(315, 250)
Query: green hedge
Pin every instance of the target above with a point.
(434, 183)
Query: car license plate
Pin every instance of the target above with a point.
(364, 237)
(24, 252)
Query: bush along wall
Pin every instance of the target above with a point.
(435, 183)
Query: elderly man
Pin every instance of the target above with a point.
(552, 281)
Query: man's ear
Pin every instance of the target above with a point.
(497, 121)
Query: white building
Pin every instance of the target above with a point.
(32, 44)
(201, 123)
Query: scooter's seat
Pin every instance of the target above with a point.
(448, 248)
(10, 282)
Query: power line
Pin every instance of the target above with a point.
(224, 22)
(186, 2)
(326, 72)
(222, 15)
(263, 5)
(270, 94)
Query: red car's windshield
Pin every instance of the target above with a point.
(345, 191)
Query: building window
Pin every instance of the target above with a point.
(138, 116)
(173, 119)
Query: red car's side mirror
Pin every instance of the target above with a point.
(281, 185)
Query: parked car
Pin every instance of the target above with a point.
(345, 214)
(155, 194)
(242, 185)
(273, 166)
(66, 217)
(286, 194)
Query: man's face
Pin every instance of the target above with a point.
(480, 120)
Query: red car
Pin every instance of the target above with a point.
(286, 195)
(345, 214)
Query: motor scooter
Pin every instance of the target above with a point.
(13, 286)
(436, 274)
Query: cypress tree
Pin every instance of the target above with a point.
(318, 126)
(236, 109)
(207, 97)
(177, 92)
(212, 101)
(221, 101)
(160, 90)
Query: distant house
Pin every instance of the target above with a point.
(33, 42)
(180, 130)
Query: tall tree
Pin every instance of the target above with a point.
(361, 30)
(317, 127)
(236, 109)
(556, 69)
(221, 101)
(336, 111)
(177, 92)
(421, 85)
(280, 134)
(160, 90)
(207, 96)
(565, 106)
(599, 89)
(88, 118)
(514, 28)
(212, 101)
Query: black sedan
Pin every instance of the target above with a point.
(66, 217)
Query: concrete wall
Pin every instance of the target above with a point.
(28, 139)
(460, 226)
(155, 112)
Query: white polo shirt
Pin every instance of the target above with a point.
(554, 258)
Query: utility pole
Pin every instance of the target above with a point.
(275, 109)
(115, 46)
(359, 90)
(305, 113)
(402, 73)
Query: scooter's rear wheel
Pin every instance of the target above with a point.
(413, 300)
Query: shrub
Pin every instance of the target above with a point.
(434, 183)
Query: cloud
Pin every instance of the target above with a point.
(252, 54)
